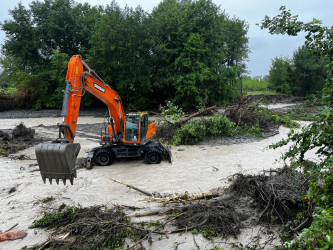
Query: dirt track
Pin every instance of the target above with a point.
(194, 169)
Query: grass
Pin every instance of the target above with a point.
(255, 84)
(257, 87)
(262, 92)
(6, 149)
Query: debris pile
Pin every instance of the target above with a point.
(215, 219)
(273, 197)
(21, 137)
(247, 115)
(22, 132)
(89, 228)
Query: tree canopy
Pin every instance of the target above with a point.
(189, 52)
(302, 75)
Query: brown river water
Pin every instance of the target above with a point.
(193, 169)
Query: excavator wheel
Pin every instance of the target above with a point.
(103, 158)
(153, 157)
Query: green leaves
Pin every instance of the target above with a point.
(189, 52)
(279, 75)
(303, 75)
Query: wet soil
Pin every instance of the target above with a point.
(19, 138)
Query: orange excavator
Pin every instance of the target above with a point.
(123, 135)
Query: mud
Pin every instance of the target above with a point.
(18, 139)
(194, 169)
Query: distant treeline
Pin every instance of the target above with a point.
(302, 75)
(189, 52)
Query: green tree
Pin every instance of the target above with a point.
(182, 27)
(193, 73)
(22, 43)
(308, 73)
(121, 54)
(33, 35)
(189, 52)
(279, 75)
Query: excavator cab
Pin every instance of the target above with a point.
(138, 130)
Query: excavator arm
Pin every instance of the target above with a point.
(78, 80)
(57, 160)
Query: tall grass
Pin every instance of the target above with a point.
(255, 84)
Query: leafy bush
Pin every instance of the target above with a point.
(171, 112)
(219, 125)
(270, 115)
(190, 133)
(318, 235)
(197, 130)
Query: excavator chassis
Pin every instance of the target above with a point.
(152, 153)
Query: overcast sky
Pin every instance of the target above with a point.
(264, 47)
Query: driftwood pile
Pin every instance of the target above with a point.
(245, 114)
(89, 228)
(279, 195)
(273, 197)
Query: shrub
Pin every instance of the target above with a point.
(219, 125)
(197, 130)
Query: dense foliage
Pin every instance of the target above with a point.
(198, 130)
(302, 75)
(317, 137)
(252, 120)
(190, 52)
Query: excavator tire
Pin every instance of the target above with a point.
(103, 158)
(153, 157)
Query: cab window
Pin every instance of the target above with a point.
(132, 129)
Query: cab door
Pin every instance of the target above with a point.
(143, 127)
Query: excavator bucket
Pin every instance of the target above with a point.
(57, 161)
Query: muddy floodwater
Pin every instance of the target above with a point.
(193, 169)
